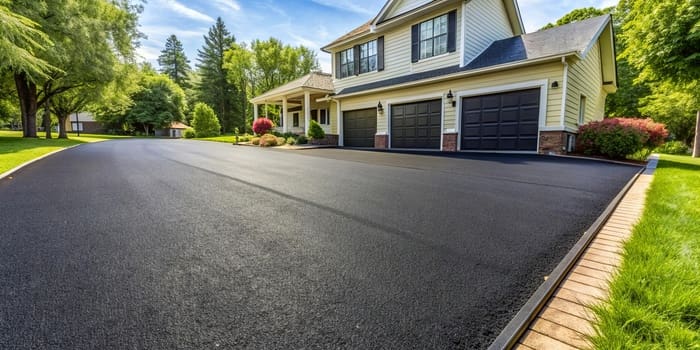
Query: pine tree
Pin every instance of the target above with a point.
(213, 87)
(174, 63)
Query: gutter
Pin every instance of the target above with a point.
(564, 92)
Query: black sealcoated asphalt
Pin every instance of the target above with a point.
(176, 244)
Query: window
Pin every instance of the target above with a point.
(347, 63)
(433, 37)
(324, 120)
(582, 110)
(295, 120)
(77, 126)
(368, 56)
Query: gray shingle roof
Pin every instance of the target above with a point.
(313, 80)
(558, 41)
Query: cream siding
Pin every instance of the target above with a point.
(585, 78)
(549, 71)
(404, 6)
(397, 54)
(485, 21)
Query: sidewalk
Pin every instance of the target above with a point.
(565, 322)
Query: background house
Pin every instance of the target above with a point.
(173, 130)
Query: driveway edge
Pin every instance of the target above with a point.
(517, 326)
(15, 169)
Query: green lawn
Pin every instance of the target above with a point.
(655, 298)
(226, 138)
(15, 150)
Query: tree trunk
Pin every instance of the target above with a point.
(145, 127)
(696, 143)
(47, 119)
(26, 90)
(62, 134)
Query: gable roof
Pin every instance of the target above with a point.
(319, 81)
(570, 39)
(382, 18)
(177, 125)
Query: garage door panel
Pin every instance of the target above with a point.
(507, 121)
(418, 126)
(359, 127)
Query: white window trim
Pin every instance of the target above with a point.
(543, 84)
(433, 37)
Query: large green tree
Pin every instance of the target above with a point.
(579, 15)
(662, 38)
(89, 38)
(214, 89)
(21, 39)
(157, 103)
(174, 63)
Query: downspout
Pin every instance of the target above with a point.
(564, 91)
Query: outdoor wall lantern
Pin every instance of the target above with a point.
(555, 84)
(380, 108)
(451, 98)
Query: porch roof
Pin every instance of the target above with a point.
(314, 82)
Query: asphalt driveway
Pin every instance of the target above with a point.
(137, 244)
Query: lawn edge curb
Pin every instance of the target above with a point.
(519, 323)
(19, 167)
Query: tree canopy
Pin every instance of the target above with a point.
(580, 15)
(173, 62)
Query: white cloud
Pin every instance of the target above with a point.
(147, 53)
(346, 5)
(185, 11)
(156, 32)
(227, 5)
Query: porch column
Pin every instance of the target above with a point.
(339, 120)
(255, 111)
(283, 117)
(307, 111)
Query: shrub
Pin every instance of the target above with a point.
(188, 133)
(281, 141)
(291, 140)
(262, 126)
(302, 140)
(268, 140)
(204, 121)
(255, 140)
(673, 147)
(620, 137)
(316, 131)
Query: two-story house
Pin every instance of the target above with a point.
(457, 75)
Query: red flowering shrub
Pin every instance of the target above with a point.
(262, 126)
(619, 137)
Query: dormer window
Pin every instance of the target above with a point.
(434, 37)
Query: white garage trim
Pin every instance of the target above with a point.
(543, 84)
(412, 99)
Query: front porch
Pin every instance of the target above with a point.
(301, 101)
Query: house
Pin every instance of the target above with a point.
(84, 122)
(460, 76)
(174, 130)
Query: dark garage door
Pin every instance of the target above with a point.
(359, 127)
(506, 121)
(416, 125)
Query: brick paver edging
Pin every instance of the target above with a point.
(571, 275)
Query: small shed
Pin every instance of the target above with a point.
(174, 130)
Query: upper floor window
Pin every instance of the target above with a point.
(433, 37)
(368, 57)
(347, 63)
(582, 110)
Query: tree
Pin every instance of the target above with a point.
(662, 39)
(89, 37)
(174, 63)
(215, 90)
(580, 15)
(204, 121)
(20, 40)
(158, 103)
(672, 105)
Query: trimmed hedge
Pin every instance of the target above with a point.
(619, 137)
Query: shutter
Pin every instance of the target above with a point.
(380, 53)
(337, 65)
(356, 51)
(452, 31)
(415, 42)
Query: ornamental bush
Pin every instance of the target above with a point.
(611, 138)
(268, 140)
(291, 140)
(673, 147)
(204, 121)
(188, 133)
(262, 126)
(255, 140)
(656, 132)
(316, 131)
(302, 140)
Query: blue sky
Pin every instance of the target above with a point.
(312, 23)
